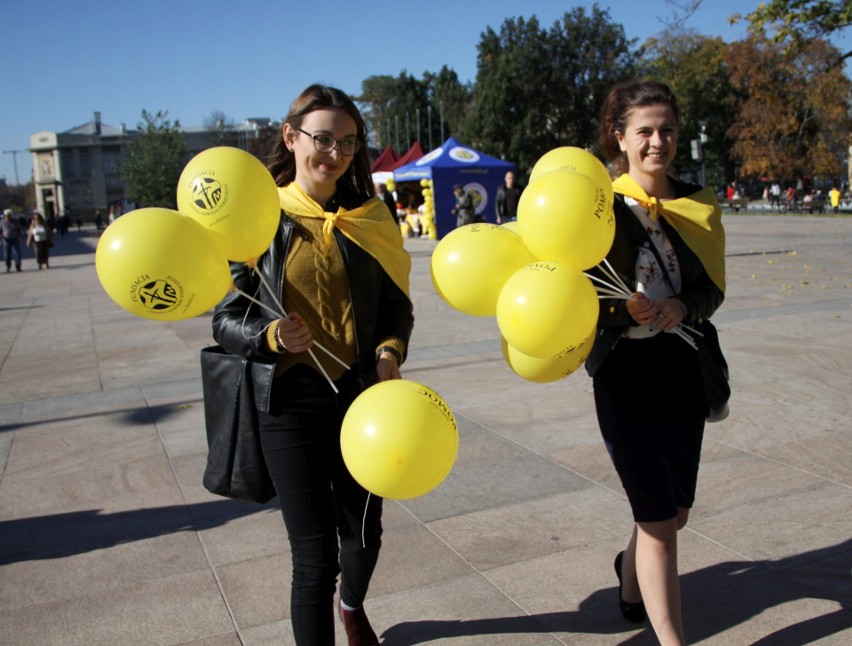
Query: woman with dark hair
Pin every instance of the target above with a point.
(339, 271)
(40, 237)
(669, 247)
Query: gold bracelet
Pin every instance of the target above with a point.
(278, 342)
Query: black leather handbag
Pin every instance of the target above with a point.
(714, 371)
(235, 465)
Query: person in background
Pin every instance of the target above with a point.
(834, 199)
(464, 209)
(400, 213)
(339, 270)
(647, 381)
(508, 196)
(385, 196)
(412, 217)
(791, 197)
(40, 237)
(11, 241)
(775, 194)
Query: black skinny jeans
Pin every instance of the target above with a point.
(319, 499)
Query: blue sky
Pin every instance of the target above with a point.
(62, 60)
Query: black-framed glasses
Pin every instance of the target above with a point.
(327, 143)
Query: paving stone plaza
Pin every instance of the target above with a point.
(107, 536)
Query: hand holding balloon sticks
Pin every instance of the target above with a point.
(619, 289)
(280, 312)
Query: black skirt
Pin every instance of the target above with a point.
(651, 415)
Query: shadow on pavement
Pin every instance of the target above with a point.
(62, 535)
(716, 598)
(128, 417)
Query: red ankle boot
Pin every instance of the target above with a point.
(358, 629)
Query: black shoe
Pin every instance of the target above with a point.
(634, 612)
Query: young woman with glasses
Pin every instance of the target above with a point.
(338, 269)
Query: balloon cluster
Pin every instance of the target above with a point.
(399, 439)
(172, 265)
(529, 273)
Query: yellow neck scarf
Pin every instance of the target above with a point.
(697, 219)
(367, 226)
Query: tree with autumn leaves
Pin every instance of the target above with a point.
(791, 109)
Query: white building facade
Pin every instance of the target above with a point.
(76, 172)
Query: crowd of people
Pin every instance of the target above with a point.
(799, 196)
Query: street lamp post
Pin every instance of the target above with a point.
(14, 154)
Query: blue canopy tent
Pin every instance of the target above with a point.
(454, 163)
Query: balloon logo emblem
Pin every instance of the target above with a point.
(159, 295)
(207, 193)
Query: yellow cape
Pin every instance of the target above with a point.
(368, 226)
(697, 218)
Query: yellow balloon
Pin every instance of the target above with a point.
(563, 216)
(577, 160)
(399, 439)
(471, 264)
(231, 193)
(547, 370)
(546, 308)
(391, 185)
(159, 264)
(512, 225)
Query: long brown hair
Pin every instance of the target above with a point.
(356, 185)
(615, 111)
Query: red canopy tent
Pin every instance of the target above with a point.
(414, 153)
(386, 161)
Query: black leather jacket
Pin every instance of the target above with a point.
(380, 308)
(698, 292)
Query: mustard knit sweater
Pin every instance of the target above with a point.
(316, 287)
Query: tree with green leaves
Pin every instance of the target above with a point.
(389, 106)
(449, 99)
(397, 109)
(795, 23)
(696, 69)
(539, 89)
(154, 160)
